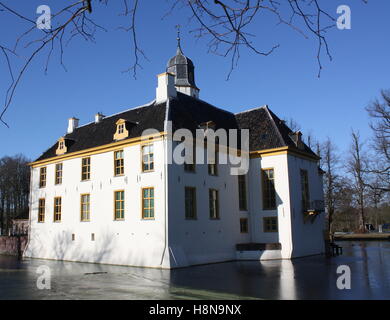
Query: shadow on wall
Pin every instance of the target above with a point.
(108, 247)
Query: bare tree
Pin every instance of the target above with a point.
(292, 124)
(223, 23)
(357, 167)
(330, 163)
(14, 190)
(379, 111)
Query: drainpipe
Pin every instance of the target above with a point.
(165, 146)
(292, 208)
(250, 207)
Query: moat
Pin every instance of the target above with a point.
(305, 278)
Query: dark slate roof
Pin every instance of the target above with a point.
(97, 134)
(267, 131)
(188, 112)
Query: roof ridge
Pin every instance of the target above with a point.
(253, 109)
(275, 126)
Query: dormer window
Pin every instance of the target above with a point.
(207, 125)
(121, 130)
(61, 149)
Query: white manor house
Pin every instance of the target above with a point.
(105, 194)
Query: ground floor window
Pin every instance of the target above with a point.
(57, 209)
(213, 204)
(41, 210)
(270, 224)
(190, 202)
(148, 203)
(244, 225)
(85, 207)
(119, 205)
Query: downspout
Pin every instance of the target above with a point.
(292, 209)
(250, 212)
(29, 211)
(165, 145)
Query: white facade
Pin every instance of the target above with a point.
(170, 239)
(133, 241)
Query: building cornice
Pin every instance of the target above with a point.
(283, 150)
(155, 137)
(100, 149)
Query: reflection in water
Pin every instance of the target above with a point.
(287, 287)
(304, 278)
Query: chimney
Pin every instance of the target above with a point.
(73, 124)
(165, 87)
(99, 117)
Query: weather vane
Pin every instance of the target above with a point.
(178, 26)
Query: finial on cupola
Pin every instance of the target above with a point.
(178, 26)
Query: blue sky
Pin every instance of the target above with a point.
(286, 80)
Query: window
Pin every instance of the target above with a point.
(147, 158)
(41, 210)
(244, 225)
(58, 175)
(92, 237)
(42, 177)
(61, 149)
(119, 205)
(270, 224)
(242, 192)
(148, 203)
(73, 237)
(268, 184)
(213, 167)
(85, 169)
(121, 131)
(121, 128)
(190, 202)
(305, 190)
(85, 207)
(118, 163)
(214, 204)
(190, 167)
(57, 209)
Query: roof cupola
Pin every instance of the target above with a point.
(183, 69)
